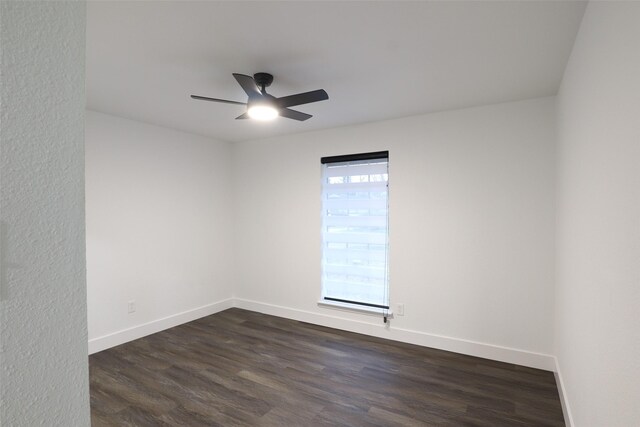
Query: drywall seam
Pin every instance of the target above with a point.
(120, 337)
(564, 401)
(387, 331)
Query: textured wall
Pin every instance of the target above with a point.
(43, 371)
(598, 285)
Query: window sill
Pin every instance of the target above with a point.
(352, 308)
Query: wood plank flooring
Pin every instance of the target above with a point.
(240, 368)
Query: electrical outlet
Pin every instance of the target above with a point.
(131, 306)
(400, 309)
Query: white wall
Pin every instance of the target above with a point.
(43, 323)
(598, 281)
(471, 227)
(159, 224)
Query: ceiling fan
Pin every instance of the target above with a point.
(262, 106)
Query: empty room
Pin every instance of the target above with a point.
(320, 213)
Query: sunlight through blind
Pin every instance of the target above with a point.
(355, 241)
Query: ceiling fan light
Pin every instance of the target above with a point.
(262, 112)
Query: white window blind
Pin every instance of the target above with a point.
(355, 241)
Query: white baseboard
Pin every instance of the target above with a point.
(120, 337)
(562, 391)
(457, 345)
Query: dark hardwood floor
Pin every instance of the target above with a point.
(240, 368)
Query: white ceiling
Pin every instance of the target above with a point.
(377, 60)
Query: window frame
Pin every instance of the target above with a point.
(341, 303)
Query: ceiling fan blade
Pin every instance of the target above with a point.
(243, 116)
(204, 98)
(302, 98)
(248, 84)
(293, 114)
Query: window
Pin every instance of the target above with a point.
(355, 239)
